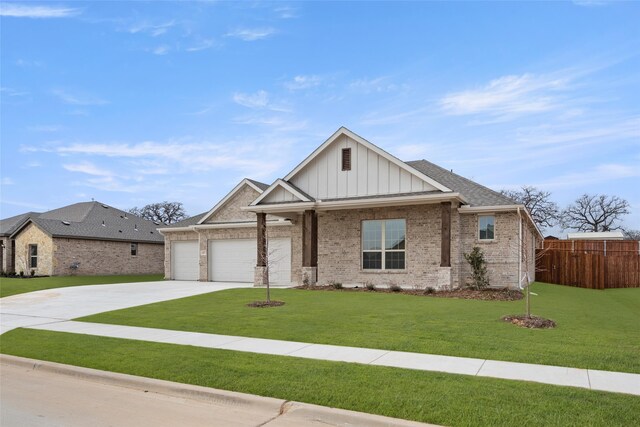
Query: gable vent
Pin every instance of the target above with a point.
(346, 159)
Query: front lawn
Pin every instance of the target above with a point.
(13, 286)
(453, 400)
(596, 329)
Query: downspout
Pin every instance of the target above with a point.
(519, 248)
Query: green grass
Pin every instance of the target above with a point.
(12, 286)
(596, 329)
(454, 400)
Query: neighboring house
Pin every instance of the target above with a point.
(352, 213)
(88, 238)
(596, 235)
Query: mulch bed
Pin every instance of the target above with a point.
(532, 322)
(263, 304)
(484, 295)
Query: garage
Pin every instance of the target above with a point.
(234, 260)
(184, 260)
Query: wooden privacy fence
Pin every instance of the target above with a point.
(589, 264)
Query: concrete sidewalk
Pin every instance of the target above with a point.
(618, 382)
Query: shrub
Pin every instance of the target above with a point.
(33, 273)
(479, 268)
(394, 287)
(21, 273)
(305, 279)
(429, 290)
(370, 286)
(335, 285)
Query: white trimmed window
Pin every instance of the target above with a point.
(33, 256)
(486, 227)
(134, 249)
(383, 244)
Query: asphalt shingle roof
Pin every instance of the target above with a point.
(186, 222)
(259, 184)
(476, 194)
(95, 220)
(9, 225)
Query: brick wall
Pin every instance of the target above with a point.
(339, 247)
(100, 257)
(31, 235)
(231, 211)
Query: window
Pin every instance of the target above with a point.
(383, 244)
(33, 256)
(486, 227)
(346, 159)
(134, 249)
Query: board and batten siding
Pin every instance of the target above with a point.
(371, 174)
(280, 195)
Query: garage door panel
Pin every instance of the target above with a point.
(234, 260)
(185, 260)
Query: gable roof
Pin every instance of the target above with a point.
(186, 222)
(288, 187)
(9, 225)
(256, 185)
(476, 194)
(344, 131)
(95, 221)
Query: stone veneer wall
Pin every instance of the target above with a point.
(33, 235)
(6, 261)
(102, 257)
(339, 247)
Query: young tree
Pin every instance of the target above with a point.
(164, 212)
(545, 212)
(630, 234)
(594, 213)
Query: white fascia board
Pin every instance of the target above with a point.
(241, 225)
(281, 207)
(389, 201)
(344, 131)
(500, 208)
(168, 230)
(284, 184)
(221, 203)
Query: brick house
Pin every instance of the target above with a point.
(352, 213)
(88, 238)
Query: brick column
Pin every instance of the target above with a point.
(309, 247)
(445, 234)
(261, 274)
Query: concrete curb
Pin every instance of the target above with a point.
(292, 413)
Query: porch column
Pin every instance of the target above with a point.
(309, 247)
(261, 274)
(445, 234)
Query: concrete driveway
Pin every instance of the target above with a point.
(55, 305)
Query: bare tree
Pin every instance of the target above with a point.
(630, 234)
(164, 212)
(594, 213)
(545, 212)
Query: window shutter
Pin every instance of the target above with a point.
(346, 159)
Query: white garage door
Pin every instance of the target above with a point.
(234, 260)
(184, 260)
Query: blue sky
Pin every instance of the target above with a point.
(131, 103)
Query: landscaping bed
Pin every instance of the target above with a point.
(463, 293)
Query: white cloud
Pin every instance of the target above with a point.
(526, 93)
(201, 45)
(251, 34)
(16, 10)
(286, 12)
(46, 128)
(77, 99)
(259, 99)
(592, 3)
(7, 181)
(153, 30)
(161, 50)
(303, 82)
(375, 85)
(595, 175)
(25, 63)
(88, 168)
(13, 92)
